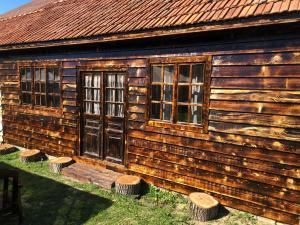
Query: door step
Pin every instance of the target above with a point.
(87, 174)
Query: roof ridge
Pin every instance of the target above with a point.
(43, 7)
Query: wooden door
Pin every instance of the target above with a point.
(114, 122)
(92, 114)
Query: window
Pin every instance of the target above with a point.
(178, 91)
(40, 86)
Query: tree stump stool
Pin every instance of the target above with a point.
(203, 206)
(30, 156)
(128, 185)
(57, 164)
(7, 149)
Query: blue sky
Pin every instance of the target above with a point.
(7, 5)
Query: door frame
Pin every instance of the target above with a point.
(105, 67)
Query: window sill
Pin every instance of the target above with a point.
(177, 127)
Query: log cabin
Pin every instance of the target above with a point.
(187, 94)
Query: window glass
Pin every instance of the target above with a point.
(184, 73)
(188, 87)
(156, 73)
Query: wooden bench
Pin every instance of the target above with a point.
(10, 201)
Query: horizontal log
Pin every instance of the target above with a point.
(284, 109)
(8, 66)
(214, 187)
(258, 59)
(134, 108)
(256, 71)
(258, 131)
(187, 153)
(255, 119)
(221, 147)
(69, 72)
(253, 180)
(138, 90)
(137, 117)
(164, 181)
(256, 83)
(256, 95)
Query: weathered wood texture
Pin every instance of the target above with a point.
(251, 154)
(52, 131)
(249, 159)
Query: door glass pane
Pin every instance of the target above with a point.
(28, 86)
(88, 80)
(168, 93)
(120, 111)
(88, 107)
(96, 108)
(97, 81)
(37, 99)
(56, 101)
(168, 74)
(110, 109)
(96, 95)
(156, 73)
(88, 94)
(156, 91)
(197, 94)
(184, 73)
(120, 80)
(182, 113)
(110, 80)
(167, 111)
(197, 73)
(120, 96)
(183, 93)
(110, 95)
(196, 114)
(155, 110)
(37, 87)
(43, 87)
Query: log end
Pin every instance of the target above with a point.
(7, 149)
(128, 185)
(203, 206)
(33, 155)
(57, 164)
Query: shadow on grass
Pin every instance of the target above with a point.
(47, 202)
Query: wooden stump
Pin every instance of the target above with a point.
(7, 149)
(30, 156)
(203, 206)
(57, 164)
(128, 185)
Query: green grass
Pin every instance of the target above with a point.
(51, 199)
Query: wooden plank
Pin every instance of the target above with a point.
(251, 95)
(290, 58)
(248, 179)
(284, 109)
(166, 182)
(138, 72)
(256, 83)
(255, 119)
(221, 147)
(256, 71)
(141, 146)
(137, 82)
(208, 186)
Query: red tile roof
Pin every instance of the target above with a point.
(48, 20)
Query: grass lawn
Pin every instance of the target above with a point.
(50, 199)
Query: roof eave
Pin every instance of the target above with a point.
(162, 32)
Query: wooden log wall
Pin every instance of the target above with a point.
(250, 159)
(52, 131)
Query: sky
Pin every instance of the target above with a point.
(7, 5)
